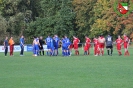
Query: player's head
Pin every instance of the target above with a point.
(41, 37)
(86, 36)
(49, 35)
(65, 36)
(74, 37)
(124, 35)
(101, 35)
(55, 35)
(119, 36)
(11, 37)
(6, 38)
(34, 37)
(22, 36)
(109, 34)
(62, 37)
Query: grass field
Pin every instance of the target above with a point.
(66, 72)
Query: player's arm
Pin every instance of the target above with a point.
(39, 43)
(21, 42)
(4, 44)
(33, 43)
(112, 41)
(122, 42)
(45, 41)
(128, 42)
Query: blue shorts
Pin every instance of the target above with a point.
(48, 47)
(36, 47)
(64, 48)
(56, 46)
(52, 48)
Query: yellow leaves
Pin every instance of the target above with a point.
(0, 1)
(101, 24)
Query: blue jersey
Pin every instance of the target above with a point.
(52, 43)
(56, 41)
(67, 41)
(6, 43)
(63, 42)
(21, 41)
(48, 41)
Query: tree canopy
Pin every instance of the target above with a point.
(64, 17)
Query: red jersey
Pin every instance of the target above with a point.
(88, 41)
(101, 40)
(95, 41)
(76, 41)
(119, 42)
(126, 39)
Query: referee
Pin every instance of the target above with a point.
(41, 45)
(109, 44)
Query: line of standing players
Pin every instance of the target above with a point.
(52, 46)
(99, 43)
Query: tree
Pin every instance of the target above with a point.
(56, 18)
(84, 16)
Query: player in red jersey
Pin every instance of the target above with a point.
(101, 42)
(96, 47)
(126, 44)
(88, 44)
(76, 41)
(119, 42)
(85, 49)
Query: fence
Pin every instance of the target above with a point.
(29, 48)
(17, 48)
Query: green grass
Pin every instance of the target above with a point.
(66, 72)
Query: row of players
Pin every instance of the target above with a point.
(99, 44)
(53, 43)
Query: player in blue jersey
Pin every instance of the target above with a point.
(63, 41)
(67, 43)
(52, 47)
(48, 43)
(6, 46)
(21, 41)
(56, 44)
(36, 46)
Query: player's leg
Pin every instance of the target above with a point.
(49, 50)
(40, 50)
(102, 48)
(56, 50)
(95, 50)
(107, 47)
(12, 49)
(75, 50)
(35, 49)
(111, 48)
(119, 50)
(6, 50)
(126, 49)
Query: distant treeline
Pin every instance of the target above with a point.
(63, 17)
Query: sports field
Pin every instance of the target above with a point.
(66, 72)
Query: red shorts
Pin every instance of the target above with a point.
(71, 46)
(76, 47)
(125, 45)
(88, 46)
(101, 45)
(118, 47)
(85, 48)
